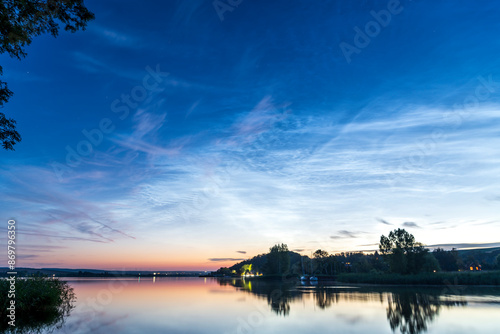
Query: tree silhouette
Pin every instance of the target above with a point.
(405, 255)
(20, 22)
(278, 260)
(8, 134)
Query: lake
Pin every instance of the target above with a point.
(209, 305)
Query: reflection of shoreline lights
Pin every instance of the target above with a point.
(251, 275)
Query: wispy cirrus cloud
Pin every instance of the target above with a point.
(113, 36)
(411, 224)
(465, 245)
(345, 234)
(385, 222)
(38, 194)
(280, 181)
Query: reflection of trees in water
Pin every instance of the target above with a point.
(411, 312)
(279, 295)
(325, 298)
(280, 300)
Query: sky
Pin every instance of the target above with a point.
(189, 135)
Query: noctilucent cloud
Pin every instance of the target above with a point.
(179, 135)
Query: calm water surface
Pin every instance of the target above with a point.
(199, 305)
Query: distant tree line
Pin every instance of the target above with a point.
(399, 253)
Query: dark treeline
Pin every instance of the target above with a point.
(28, 272)
(398, 253)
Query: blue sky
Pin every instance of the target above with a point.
(211, 140)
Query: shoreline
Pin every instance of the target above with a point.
(439, 279)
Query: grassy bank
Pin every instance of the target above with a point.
(40, 302)
(444, 278)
